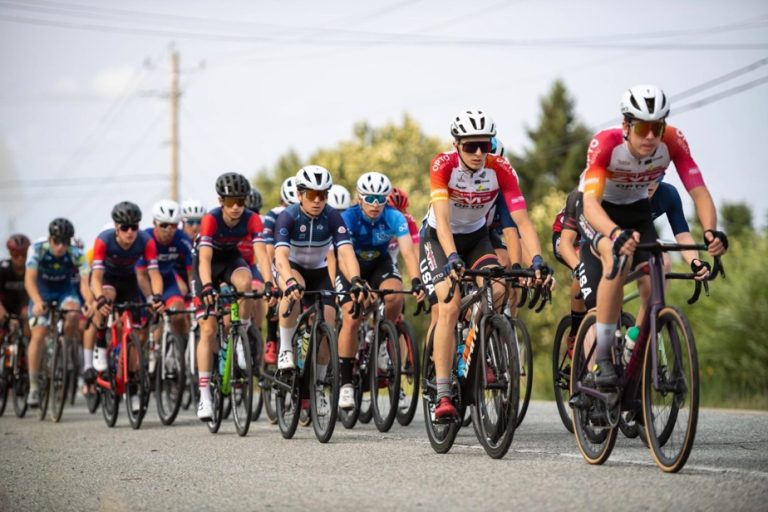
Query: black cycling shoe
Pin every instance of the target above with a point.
(605, 374)
(89, 376)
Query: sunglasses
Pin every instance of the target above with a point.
(166, 225)
(315, 195)
(642, 128)
(129, 227)
(375, 199)
(229, 202)
(485, 146)
(191, 222)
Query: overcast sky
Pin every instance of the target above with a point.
(84, 114)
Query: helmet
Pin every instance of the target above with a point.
(18, 243)
(192, 209)
(373, 183)
(472, 123)
(126, 213)
(339, 198)
(288, 191)
(498, 148)
(61, 228)
(314, 177)
(232, 184)
(253, 200)
(399, 199)
(166, 211)
(645, 103)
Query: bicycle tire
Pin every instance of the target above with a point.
(74, 365)
(241, 380)
(44, 379)
(629, 427)
(257, 351)
(287, 407)
(110, 400)
(498, 348)
(323, 425)
(678, 380)
(441, 435)
(561, 371)
(92, 400)
(595, 442)
(217, 399)
(349, 417)
(5, 384)
(270, 404)
(410, 379)
(525, 355)
(137, 384)
(170, 383)
(385, 408)
(58, 379)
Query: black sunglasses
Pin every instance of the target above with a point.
(129, 227)
(485, 146)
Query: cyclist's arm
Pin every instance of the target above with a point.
(265, 267)
(85, 290)
(443, 219)
(156, 281)
(348, 261)
(567, 251)
(411, 259)
(528, 234)
(685, 239)
(514, 247)
(142, 276)
(333, 268)
(283, 265)
(705, 207)
(97, 280)
(205, 256)
(30, 284)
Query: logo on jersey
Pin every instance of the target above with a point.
(302, 228)
(284, 231)
(342, 230)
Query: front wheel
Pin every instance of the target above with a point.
(410, 374)
(170, 373)
(241, 382)
(525, 355)
(561, 371)
(58, 379)
(137, 386)
(44, 378)
(384, 376)
(110, 400)
(324, 382)
(441, 435)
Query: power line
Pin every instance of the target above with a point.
(78, 181)
(721, 95)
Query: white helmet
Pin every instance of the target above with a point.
(339, 198)
(314, 177)
(373, 183)
(498, 148)
(288, 191)
(473, 123)
(192, 210)
(166, 211)
(645, 103)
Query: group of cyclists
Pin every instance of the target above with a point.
(319, 238)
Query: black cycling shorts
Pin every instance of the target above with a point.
(223, 265)
(374, 273)
(315, 279)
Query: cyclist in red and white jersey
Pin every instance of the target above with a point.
(464, 186)
(622, 163)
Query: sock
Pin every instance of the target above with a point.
(605, 335)
(322, 369)
(345, 368)
(576, 318)
(443, 387)
(101, 338)
(286, 335)
(87, 358)
(205, 391)
(271, 330)
(34, 383)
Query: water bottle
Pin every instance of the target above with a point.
(462, 364)
(222, 360)
(629, 343)
(303, 348)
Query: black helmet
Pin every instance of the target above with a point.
(232, 184)
(61, 229)
(253, 200)
(126, 213)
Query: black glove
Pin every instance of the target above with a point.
(416, 285)
(717, 234)
(537, 263)
(455, 263)
(156, 300)
(207, 291)
(293, 285)
(697, 265)
(359, 289)
(270, 290)
(102, 301)
(620, 240)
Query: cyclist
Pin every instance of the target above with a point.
(339, 198)
(288, 196)
(13, 296)
(192, 212)
(398, 199)
(50, 262)
(464, 185)
(113, 276)
(372, 223)
(218, 260)
(304, 233)
(254, 202)
(622, 163)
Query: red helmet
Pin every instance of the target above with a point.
(18, 243)
(399, 199)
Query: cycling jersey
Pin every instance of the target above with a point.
(615, 176)
(568, 217)
(413, 228)
(310, 238)
(116, 261)
(471, 194)
(13, 295)
(499, 218)
(178, 252)
(269, 224)
(54, 273)
(215, 233)
(666, 200)
(371, 237)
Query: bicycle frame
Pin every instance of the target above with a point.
(127, 325)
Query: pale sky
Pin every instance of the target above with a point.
(84, 115)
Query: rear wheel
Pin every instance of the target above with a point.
(137, 387)
(4, 387)
(441, 435)
(44, 379)
(59, 378)
(324, 380)
(217, 400)
(170, 375)
(409, 374)
(561, 371)
(287, 405)
(241, 383)
(384, 376)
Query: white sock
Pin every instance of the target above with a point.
(34, 383)
(205, 390)
(87, 358)
(286, 335)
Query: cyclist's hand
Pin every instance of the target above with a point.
(208, 294)
(271, 292)
(294, 290)
(626, 242)
(87, 310)
(701, 269)
(717, 242)
(544, 273)
(417, 288)
(359, 289)
(103, 305)
(455, 266)
(38, 309)
(157, 303)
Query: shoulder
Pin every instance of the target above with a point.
(393, 214)
(106, 235)
(675, 140)
(444, 161)
(603, 143)
(499, 165)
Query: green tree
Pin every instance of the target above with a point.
(558, 150)
(737, 218)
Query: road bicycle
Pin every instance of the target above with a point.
(167, 367)
(15, 376)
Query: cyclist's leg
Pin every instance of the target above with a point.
(39, 326)
(347, 339)
(258, 306)
(386, 276)
(287, 324)
(481, 254)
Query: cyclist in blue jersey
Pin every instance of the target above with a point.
(218, 260)
(50, 263)
(372, 223)
(304, 234)
(288, 196)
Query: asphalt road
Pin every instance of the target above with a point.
(80, 464)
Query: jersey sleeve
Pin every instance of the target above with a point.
(207, 230)
(439, 176)
(255, 228)
(269, 228)
(33, 256)
(397, 223)
(510, 188)
(413, 228)
(150, 254)
(185, 248)
(283, 228)
(339, 230)
(598, 158)
(99, 253)
(680, 154)
(80, 263)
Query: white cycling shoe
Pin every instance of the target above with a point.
(100, 359)
(285, 361)
(347, 397)
(205, 410)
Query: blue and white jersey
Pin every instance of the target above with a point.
(269, 224)
(55, 272)
(371, 237)
(310, 238)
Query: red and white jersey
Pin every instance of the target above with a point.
(614, 175)
(471, 193)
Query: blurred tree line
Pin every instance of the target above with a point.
(730, 327)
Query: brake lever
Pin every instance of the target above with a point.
(290, 308)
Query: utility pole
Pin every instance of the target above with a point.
(175, 93)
